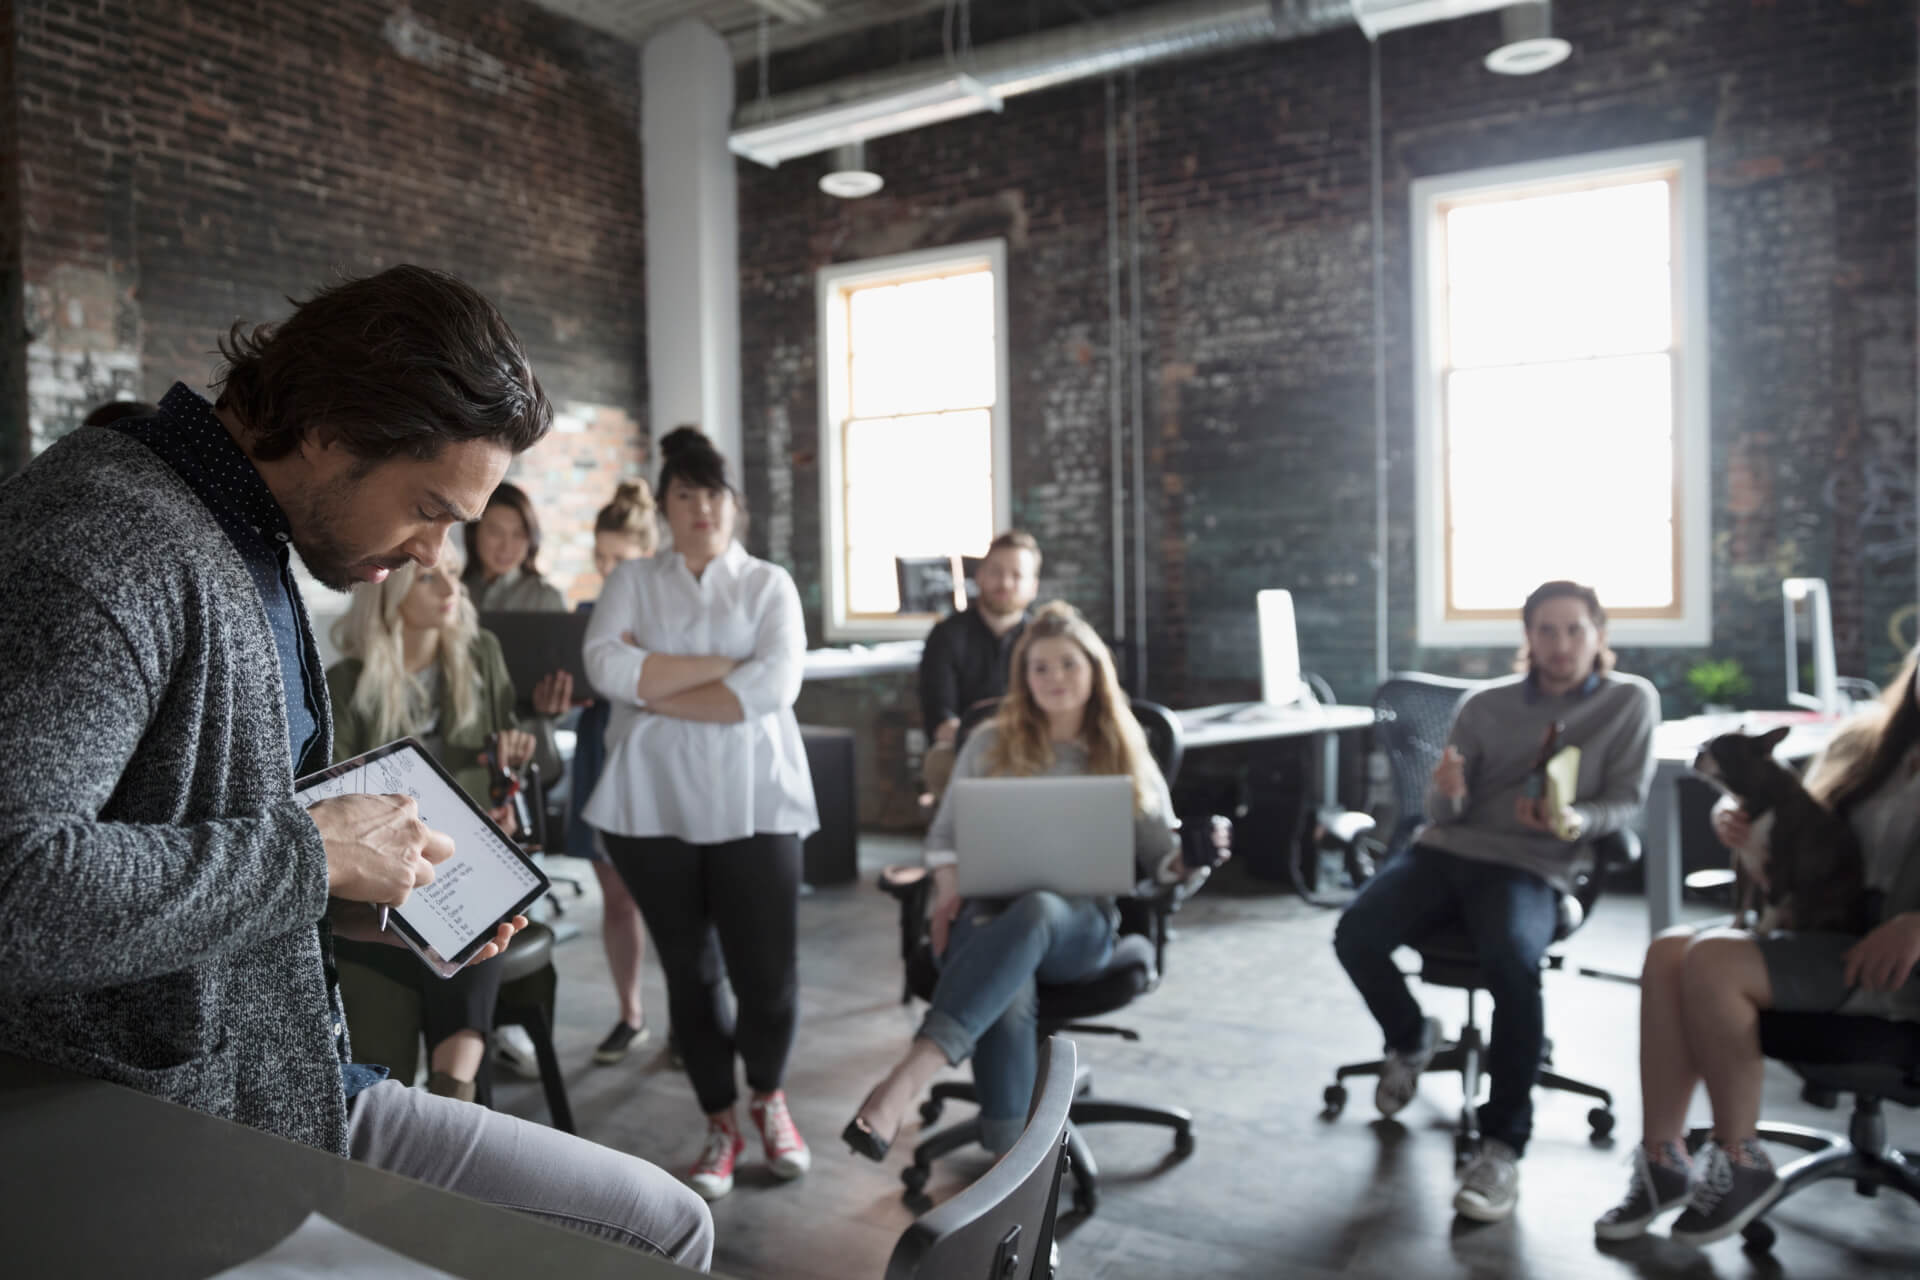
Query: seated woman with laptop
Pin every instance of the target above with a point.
(1006, 917)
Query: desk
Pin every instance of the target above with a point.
(862, 660)
(1204, 727)
(100, 1180)
(1675, 744)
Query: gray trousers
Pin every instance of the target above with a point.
(513, 1163)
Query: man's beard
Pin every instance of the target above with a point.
(319, 516)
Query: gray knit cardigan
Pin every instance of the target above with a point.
(160, 889)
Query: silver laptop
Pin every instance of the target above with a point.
(1070, 835)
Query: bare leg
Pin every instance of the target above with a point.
(624, 938)
(459, 1054)
(1725, 987)
(887, 1105)
(1667, 1071)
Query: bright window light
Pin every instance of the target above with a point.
(1558, 401)
(913, 423)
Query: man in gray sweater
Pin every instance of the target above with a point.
(1495, 859)
(170, 905)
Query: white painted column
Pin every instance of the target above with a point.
(693, 242)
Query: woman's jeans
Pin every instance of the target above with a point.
(986, 1003)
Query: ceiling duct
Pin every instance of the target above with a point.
(877, 104)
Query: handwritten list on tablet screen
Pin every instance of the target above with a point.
(471, 891)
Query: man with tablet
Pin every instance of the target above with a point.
(170, 901)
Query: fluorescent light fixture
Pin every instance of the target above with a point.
(856, 121)
(1376, 17)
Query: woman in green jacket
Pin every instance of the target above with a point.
(418, 665)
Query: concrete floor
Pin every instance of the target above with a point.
(1246, 1031)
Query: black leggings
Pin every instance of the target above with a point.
(740, 900)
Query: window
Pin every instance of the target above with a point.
(913, 426)
(1560, 318)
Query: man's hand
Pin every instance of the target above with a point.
(946, 906)
(516, 747)
(553, 696)
(947, 731)
(1885, 958)
(504, 819)
(1531, 812)
(1450, 775)
(378, 850)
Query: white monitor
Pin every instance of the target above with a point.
(1812, 678)
(1280, 683)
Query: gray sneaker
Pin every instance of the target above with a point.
(1652, 1190)
(1400, 1072)
(1726, 1197)
(1490, 1187)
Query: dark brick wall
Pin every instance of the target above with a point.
(189, 164)
(13, 320)
(1257, 320)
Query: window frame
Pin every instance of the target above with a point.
(1689, 621)
(832, 285)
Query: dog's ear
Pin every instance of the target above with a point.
(1772, 738)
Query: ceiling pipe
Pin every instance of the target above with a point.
(876, 104)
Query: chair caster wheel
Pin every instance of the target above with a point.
(1085, 1200)
(1758, 1235)
(1336, 1098)
(930, 1111)
(915, 1177)
(1183, 1142)
(1600, 1120)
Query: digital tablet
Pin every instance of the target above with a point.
(536, 644)
(487, 880)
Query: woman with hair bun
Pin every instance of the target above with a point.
(705, 795)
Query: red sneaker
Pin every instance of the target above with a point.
(787, 1153)
(712, 1174)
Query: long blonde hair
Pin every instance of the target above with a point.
(1022, 746)
(391, 700)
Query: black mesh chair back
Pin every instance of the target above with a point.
(1412, 713)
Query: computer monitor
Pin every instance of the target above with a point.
(1280, 683)
(926, 584)
(1812, 678)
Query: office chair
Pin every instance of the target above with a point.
(1136, 967)
(1413, 713)
(1873, 1059)
(1001, 1227)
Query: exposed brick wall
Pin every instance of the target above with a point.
(13, 320)
(189, 164)
(1257, 328)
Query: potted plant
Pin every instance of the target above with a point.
(1718, 683)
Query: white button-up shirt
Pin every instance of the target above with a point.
(702, 783)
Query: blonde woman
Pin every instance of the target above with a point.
(627, 528)
(1064, 715)
(418, 665)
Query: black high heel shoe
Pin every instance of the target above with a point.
(860, 1136)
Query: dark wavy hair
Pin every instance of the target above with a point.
(405, 362)
(512, 495)
(1561, 589)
